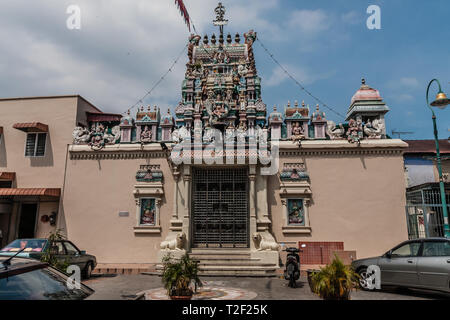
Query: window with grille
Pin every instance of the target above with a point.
(35, 145)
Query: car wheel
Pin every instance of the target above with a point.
(88, 270)
(363, 281)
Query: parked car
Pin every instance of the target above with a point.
(63, 250)
(28, 279)
(421, 263)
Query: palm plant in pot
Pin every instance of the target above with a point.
(335, 281)
(178, 277)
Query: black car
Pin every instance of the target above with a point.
(29, 279)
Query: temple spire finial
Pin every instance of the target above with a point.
(220, 21)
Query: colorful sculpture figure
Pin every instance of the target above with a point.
(146, 135)
(297, 132)
(335, 132)
(374, 129)
(295, 213)
(354, 132)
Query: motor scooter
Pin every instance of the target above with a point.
(292, 270)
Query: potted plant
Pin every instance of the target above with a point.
(335, 281)
(50, 254)
(178, 275)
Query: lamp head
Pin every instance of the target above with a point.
(441, 101)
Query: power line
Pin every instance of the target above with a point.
(296, 81)
(159, 81)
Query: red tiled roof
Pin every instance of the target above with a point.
(49, 192)
(100, 117)
(427, 146)
(31, 126)
(8, 176)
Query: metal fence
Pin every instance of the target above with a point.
(424, 213)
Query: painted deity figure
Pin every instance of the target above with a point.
(148, 216)
(297, 132)
(296, 213)
(146, 135)
(97, 141)
(354, 132)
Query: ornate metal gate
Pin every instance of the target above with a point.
(220, 214)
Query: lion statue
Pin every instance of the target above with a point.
(262, 242)
(175, 242)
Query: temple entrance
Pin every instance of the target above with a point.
(220, 213)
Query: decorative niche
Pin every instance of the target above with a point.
(148, 193)
(295, 194)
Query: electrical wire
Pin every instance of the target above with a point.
(296, 81)
(157, 83)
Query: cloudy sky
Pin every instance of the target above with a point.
(125, 46)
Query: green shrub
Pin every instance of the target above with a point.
(179, 274)
(334, 281)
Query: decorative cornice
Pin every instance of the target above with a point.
(117, 152)
(296, 153)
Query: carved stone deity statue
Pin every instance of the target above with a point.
(297, 132)
(146, 135)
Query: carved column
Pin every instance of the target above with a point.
(187, 196)
(262, 210)
(176, 222)
(252, 199)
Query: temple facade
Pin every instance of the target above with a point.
(232, 185)
(218, 177)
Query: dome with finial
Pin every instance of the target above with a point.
(366, 93)
(127, 120)
(275, 116)
(318, 115)
(167, 119)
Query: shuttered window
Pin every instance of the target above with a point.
(35, 145)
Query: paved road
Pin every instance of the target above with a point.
(119, 287)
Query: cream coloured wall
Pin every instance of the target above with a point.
(357, 199)
(96, 190)
(61, 114)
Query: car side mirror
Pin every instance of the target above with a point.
(82, 252)
(388, 254)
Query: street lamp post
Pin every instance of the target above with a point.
(441, 101)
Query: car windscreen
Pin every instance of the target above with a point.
(30, 245)
(41, 284)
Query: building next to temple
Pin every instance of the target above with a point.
(219, 178)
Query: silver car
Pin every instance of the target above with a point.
(420, 263)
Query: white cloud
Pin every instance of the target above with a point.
(301, 74)
(309, 22)
(352, 17)
(409, 82)
(122, 49)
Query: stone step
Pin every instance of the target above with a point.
(233, 263)
(219, 253)
(239, 273)
(237, 268)
(220, 257)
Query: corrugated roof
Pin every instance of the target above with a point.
(427, 146)
(49, 192)
(31, 126)
(8, 175)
